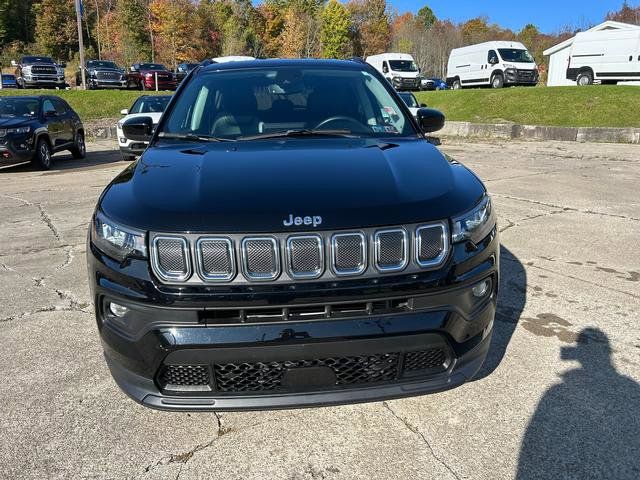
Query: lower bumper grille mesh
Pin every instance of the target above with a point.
(267, 377)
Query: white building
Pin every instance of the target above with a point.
(559, 54)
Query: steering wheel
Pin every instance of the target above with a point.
(340, 118)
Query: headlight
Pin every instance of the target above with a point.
(148, 75)
(92, 73)
(60, 71)
(19, 130)
(509, 65)
(26, 69)
(476, 224)
(117, 241)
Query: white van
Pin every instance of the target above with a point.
(494, 64)
(608, 56)
(399, 68)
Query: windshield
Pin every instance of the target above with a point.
(150, 104)
(152, 66)
(409, 99)
(18, 107)
(259, 102)
(101, 64)
(27, 60)
(515, 55)
(403, 65)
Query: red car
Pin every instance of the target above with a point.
(143, 77)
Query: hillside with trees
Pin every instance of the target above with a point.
(173, 31)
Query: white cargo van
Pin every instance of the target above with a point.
(494, 64)
(608, 56)
(399, 68)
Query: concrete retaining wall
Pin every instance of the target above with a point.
(106, 129)
(506, 131)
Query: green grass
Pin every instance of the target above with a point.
(594, 106)
(90, 105)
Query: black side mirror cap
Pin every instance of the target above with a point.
(430, 120)
(423, 105)
(50, 114)
(138, 129)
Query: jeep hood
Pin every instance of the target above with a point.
(253, 186)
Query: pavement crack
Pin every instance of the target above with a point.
(44, 216)
(414, 429)
(564, 208)
(532, 217)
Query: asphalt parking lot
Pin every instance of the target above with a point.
(558, 397)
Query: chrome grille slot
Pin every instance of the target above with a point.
(170, 258)
(432, 244)
(215, 259)
(305, 256)
(261, 258)
(391, 250)
(349, 253)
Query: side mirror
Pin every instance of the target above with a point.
(14, 63)
(385, 69)
(50, 114)
(138, 129)
(493, 60)
(124, 111)
(132, 68)
(430, 120)
(423, 105)
(62, 65)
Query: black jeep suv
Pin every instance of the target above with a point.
(34, 128)
(39, 72)
(291, 238)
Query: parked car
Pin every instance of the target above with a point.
(608, 57)
(290, 237)
(399, 68)
(432, 84)
(9, 81)
(34, 128)
(102, 74)
(39, 72)
(150, 106)
(143, 77)
(491, 64)
(412, 103)
(183, 70)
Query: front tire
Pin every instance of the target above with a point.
(79, 149)
(457, 85)
(497, 81)
(584, 79)
(42, 159)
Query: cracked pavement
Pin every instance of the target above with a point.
(557, 398)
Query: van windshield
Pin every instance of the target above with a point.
(261, 102)
(403, 65)
(515, 55)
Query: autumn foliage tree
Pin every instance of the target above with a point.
(336, 26)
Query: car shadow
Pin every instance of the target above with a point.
(512, 297)
(587, 426)
(64, 162)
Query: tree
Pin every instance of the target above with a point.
(336, 25)
(372, 31)
(55, 34)
(626, 14)
(426, 17)
(172, 25)
(273, 14)
(134, 33)
(301, 33)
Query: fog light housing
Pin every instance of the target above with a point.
(118, 310)
(479, 290)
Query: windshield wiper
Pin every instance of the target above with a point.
(303, 132)
(193, 137)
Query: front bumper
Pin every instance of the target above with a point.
(521, 77)
(16, 150)
(315, 361)
(112, 84)
(402, 84)
(44, 81)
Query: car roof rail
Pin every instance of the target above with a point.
(356, 59)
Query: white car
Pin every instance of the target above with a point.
(145, 106)
(410, 100)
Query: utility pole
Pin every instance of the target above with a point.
(81, 42)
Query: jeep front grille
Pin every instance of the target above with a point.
(170, 258)
(270, 376)
(261, 258)
(349, 253)
(282, 257)
(305, 255)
